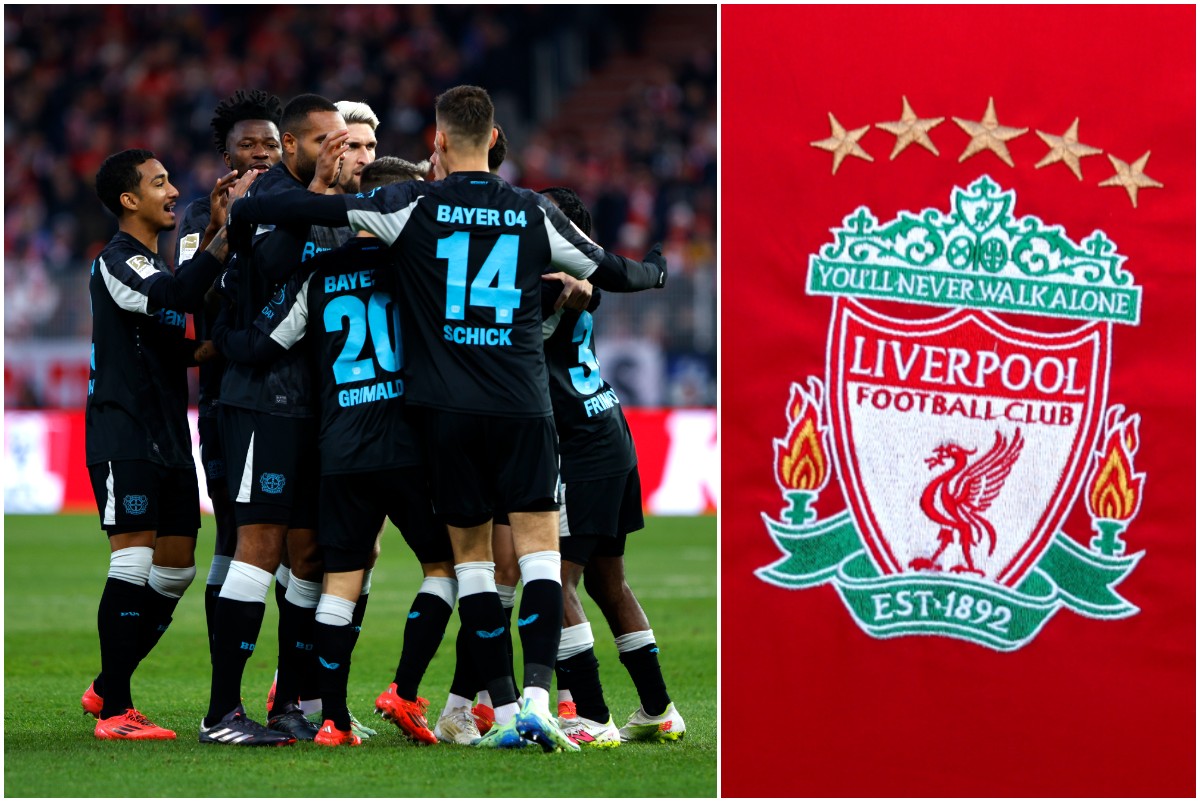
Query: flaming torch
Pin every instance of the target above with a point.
(801, 462)
(1115, 489)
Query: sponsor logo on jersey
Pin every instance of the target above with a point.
(272, 483)
(960, 440)
(141, 265)
(135, 504)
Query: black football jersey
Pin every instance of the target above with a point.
(470, 251)
(342, 310)
(593, 436)
(284, 386)
(137, 386)
(187, 244)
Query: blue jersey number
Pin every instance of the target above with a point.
(378, 317)
(589, 381)
(500, 269)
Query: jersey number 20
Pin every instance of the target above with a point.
(378, 317)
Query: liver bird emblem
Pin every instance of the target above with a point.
(957, 498)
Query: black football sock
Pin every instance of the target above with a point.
(583, 671)
(334, 647)
(211, 592)
(539, 624)
(118, 620)
(360, 612)
(296, 656)
(466, 682)
(237, 628)
(643, 668)
(483, 618)
(157, 610)
(423, 633)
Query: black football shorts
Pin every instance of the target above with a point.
(272, 467)
(143, 496)
(597, 515)
(353, 506)
(483, 463)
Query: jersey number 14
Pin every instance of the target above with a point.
(495, 284)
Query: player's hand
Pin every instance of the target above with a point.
(228, 189)
(238, 231)
(226, 285)
(219, 198)
(655, 257)
(329, 161)
(205, 352)
(576, 293)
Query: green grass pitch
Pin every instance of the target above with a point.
(54, 570)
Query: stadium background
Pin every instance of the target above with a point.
(617, 102)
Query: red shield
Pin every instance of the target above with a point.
(961, 440)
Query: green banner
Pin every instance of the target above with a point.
(976, 291)
(968, 608)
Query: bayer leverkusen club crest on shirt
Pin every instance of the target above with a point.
(960, 439)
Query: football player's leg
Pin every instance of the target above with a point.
(334, 637)
(297, 657)
(239, 614)
(577, 664)
(117, 619)
(657, 718)
(482, 614)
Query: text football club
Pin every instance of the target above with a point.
(961, 439)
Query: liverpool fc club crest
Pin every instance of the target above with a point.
(962, 438)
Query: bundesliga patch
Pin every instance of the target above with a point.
(965, 413)
(141, 265)
(188, 246)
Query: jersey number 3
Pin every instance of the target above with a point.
(494, 285)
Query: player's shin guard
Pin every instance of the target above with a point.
(577, 665)
(239, 616)
(423, 633)
(118, 620)
(639, 655)
(483, 618)
(334, 645)
(297, 660)
(539, 620)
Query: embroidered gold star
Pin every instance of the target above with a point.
(843, 143)
(988, 134)
(1066, 149)
(1130, 176)
(909, 129)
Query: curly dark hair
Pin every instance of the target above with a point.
(571, 205)
(244, 104)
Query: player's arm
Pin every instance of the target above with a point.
(278, 327)
(574, 253)
(301, 208)
(384, 212)
(136, 285)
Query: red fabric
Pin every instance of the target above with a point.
(811, 705)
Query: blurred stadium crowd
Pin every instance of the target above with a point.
(617, 102)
